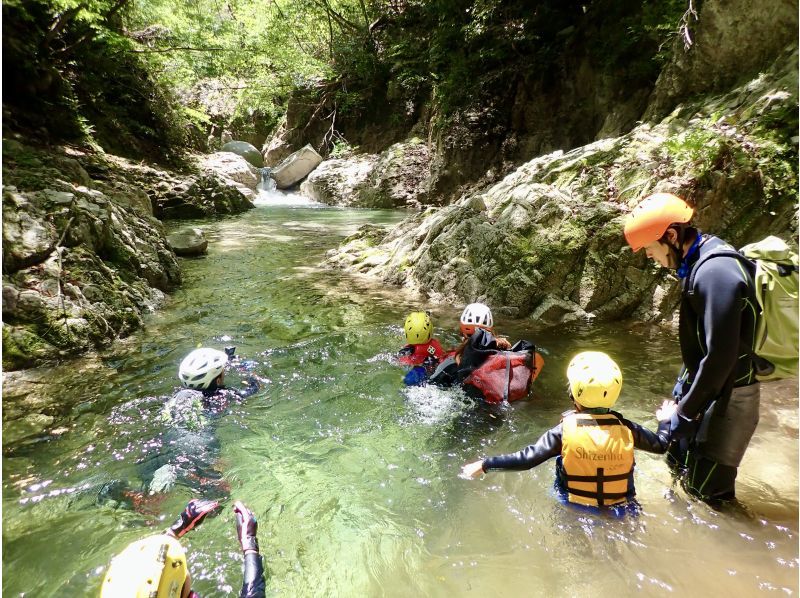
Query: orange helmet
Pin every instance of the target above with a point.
(653, 216)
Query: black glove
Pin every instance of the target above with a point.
(430, 363)
(229, 351)
(246, 527)
(681, 428)
(192, 515)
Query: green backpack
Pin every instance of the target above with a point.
(776, 281)
(776, 291)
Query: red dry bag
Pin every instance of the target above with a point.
(506, 375)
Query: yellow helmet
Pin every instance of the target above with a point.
(418, 328)
(153, 567)
(595, 380)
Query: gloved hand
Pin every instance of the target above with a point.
(430, 364)
(192, 515)
(681, 428)
(415, 377)
(407, 350)
(246, 527)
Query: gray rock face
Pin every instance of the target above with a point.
(400, 178)
(203, 196)
(26, 241)
(730, 39)
(80, 264)
(396, 178)
(338, 182)
(188, 242)
(277, 148)
(60, 296)
(547, 239)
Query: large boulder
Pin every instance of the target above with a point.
(233, 167)
(396, 178)
(296, 167)
(246, 151)
(278, 148)
(338, 181)
(204, 196)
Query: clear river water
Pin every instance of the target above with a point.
(354, 478)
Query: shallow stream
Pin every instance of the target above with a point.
(355, 478)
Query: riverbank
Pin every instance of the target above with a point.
(84, 252)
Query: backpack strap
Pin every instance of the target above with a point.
(719, 252)
(507, 389)
(762, 366)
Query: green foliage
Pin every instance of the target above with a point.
(196, 116)
(235, 64)
(342, 149)
(72, 75)
(697, 147)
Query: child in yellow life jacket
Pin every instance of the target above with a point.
(423, 352)
(594, 444)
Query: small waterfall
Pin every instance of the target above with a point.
(266, 182)
(268, 194)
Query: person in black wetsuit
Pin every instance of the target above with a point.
(478, 342)
(190, 440)
(157, 566)
(717, 391)
(594, 444)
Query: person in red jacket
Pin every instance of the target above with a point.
(423, 352)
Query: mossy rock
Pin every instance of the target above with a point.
(246, 151)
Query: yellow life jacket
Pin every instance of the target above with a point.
(597, 457)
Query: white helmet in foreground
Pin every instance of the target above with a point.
(201, 367)
(476, 315)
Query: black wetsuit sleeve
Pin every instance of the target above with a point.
(251, 387)
(254, 584)
(645, 440)
(548, 446)
(718, 293)
(406, 350)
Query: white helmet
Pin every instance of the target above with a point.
(200, 367)
(476, 315)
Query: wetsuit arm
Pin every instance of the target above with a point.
(251, 387)
(645, 440)
(406, 350)
(548, 445)
(254, 584)
(719, 292)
